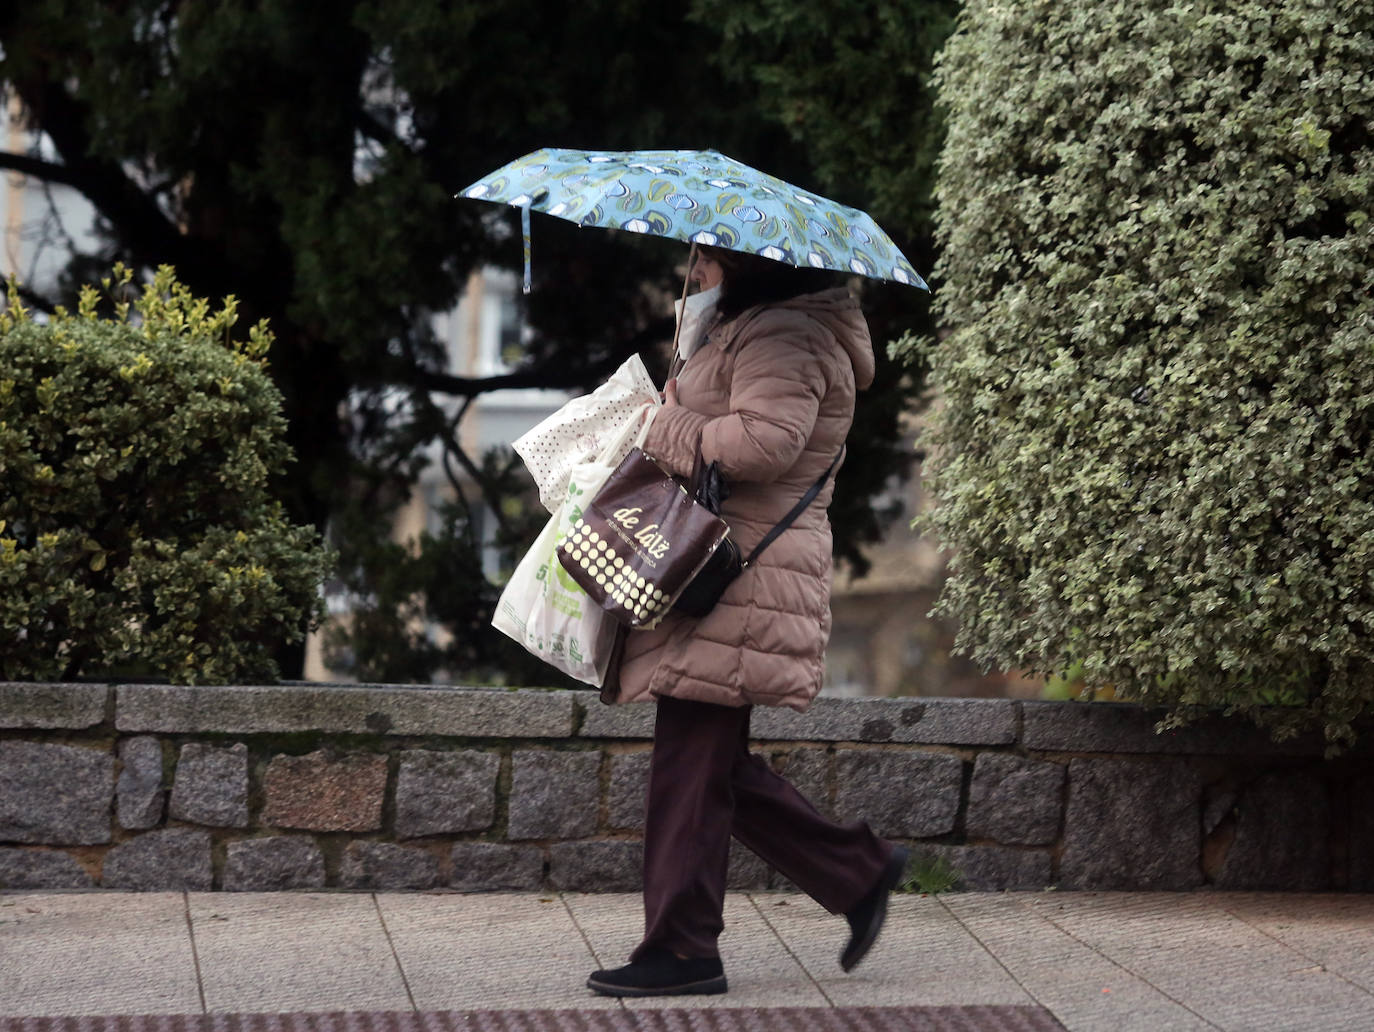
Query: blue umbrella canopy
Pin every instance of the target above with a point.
(700, 197)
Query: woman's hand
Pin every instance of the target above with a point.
(670, 394)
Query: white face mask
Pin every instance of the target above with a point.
(696, 316)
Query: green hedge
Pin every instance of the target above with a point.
(1155, 457)
(137, 532)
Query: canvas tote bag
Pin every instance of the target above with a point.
(543, 608)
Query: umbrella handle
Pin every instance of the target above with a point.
(525, 236)
(677, 330)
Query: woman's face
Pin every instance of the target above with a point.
(706, 271)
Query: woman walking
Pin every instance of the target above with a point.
(768, 393)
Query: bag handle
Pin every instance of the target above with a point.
(797, 509)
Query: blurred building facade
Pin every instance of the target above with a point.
(884, 640)
(44, 224)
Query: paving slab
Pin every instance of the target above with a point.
(89, 954)
(923, 958)
(1335, 931)
(1097, 962)
(287, 951)
(473, 952)
(1085, 990)
(759, 967)
(610, 923)
(1232, 975)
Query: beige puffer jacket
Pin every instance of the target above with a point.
(770, 396)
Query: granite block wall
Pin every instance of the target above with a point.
(258, 788)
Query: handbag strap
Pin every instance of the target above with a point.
(797, 510)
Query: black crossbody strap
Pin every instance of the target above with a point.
(797, 510)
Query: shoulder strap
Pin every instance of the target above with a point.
(797, 510)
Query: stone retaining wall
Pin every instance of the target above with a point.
(306, 786)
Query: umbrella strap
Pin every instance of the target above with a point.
(525, 236)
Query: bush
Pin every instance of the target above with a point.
(1155, 453)
(137, 533)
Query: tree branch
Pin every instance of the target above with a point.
(546, 376)
(375, 129)
(139, 222)
(551, 374)
(48, 171)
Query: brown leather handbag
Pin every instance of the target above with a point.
(613, 551)
(639, 542)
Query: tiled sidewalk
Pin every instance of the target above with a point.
(1104, 961)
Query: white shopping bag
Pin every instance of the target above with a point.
(580, 430)
(542, 607)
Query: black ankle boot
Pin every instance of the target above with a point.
(867, 917)
(661, 973)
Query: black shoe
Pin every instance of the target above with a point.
(661, 973)
(866, 919)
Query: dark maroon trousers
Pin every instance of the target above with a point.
(704, 787)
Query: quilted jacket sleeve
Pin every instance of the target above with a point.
(776, 389)
(674, 438)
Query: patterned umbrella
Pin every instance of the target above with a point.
(698, 196)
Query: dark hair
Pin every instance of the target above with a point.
(751, 280)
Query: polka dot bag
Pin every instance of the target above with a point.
(579, 430)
